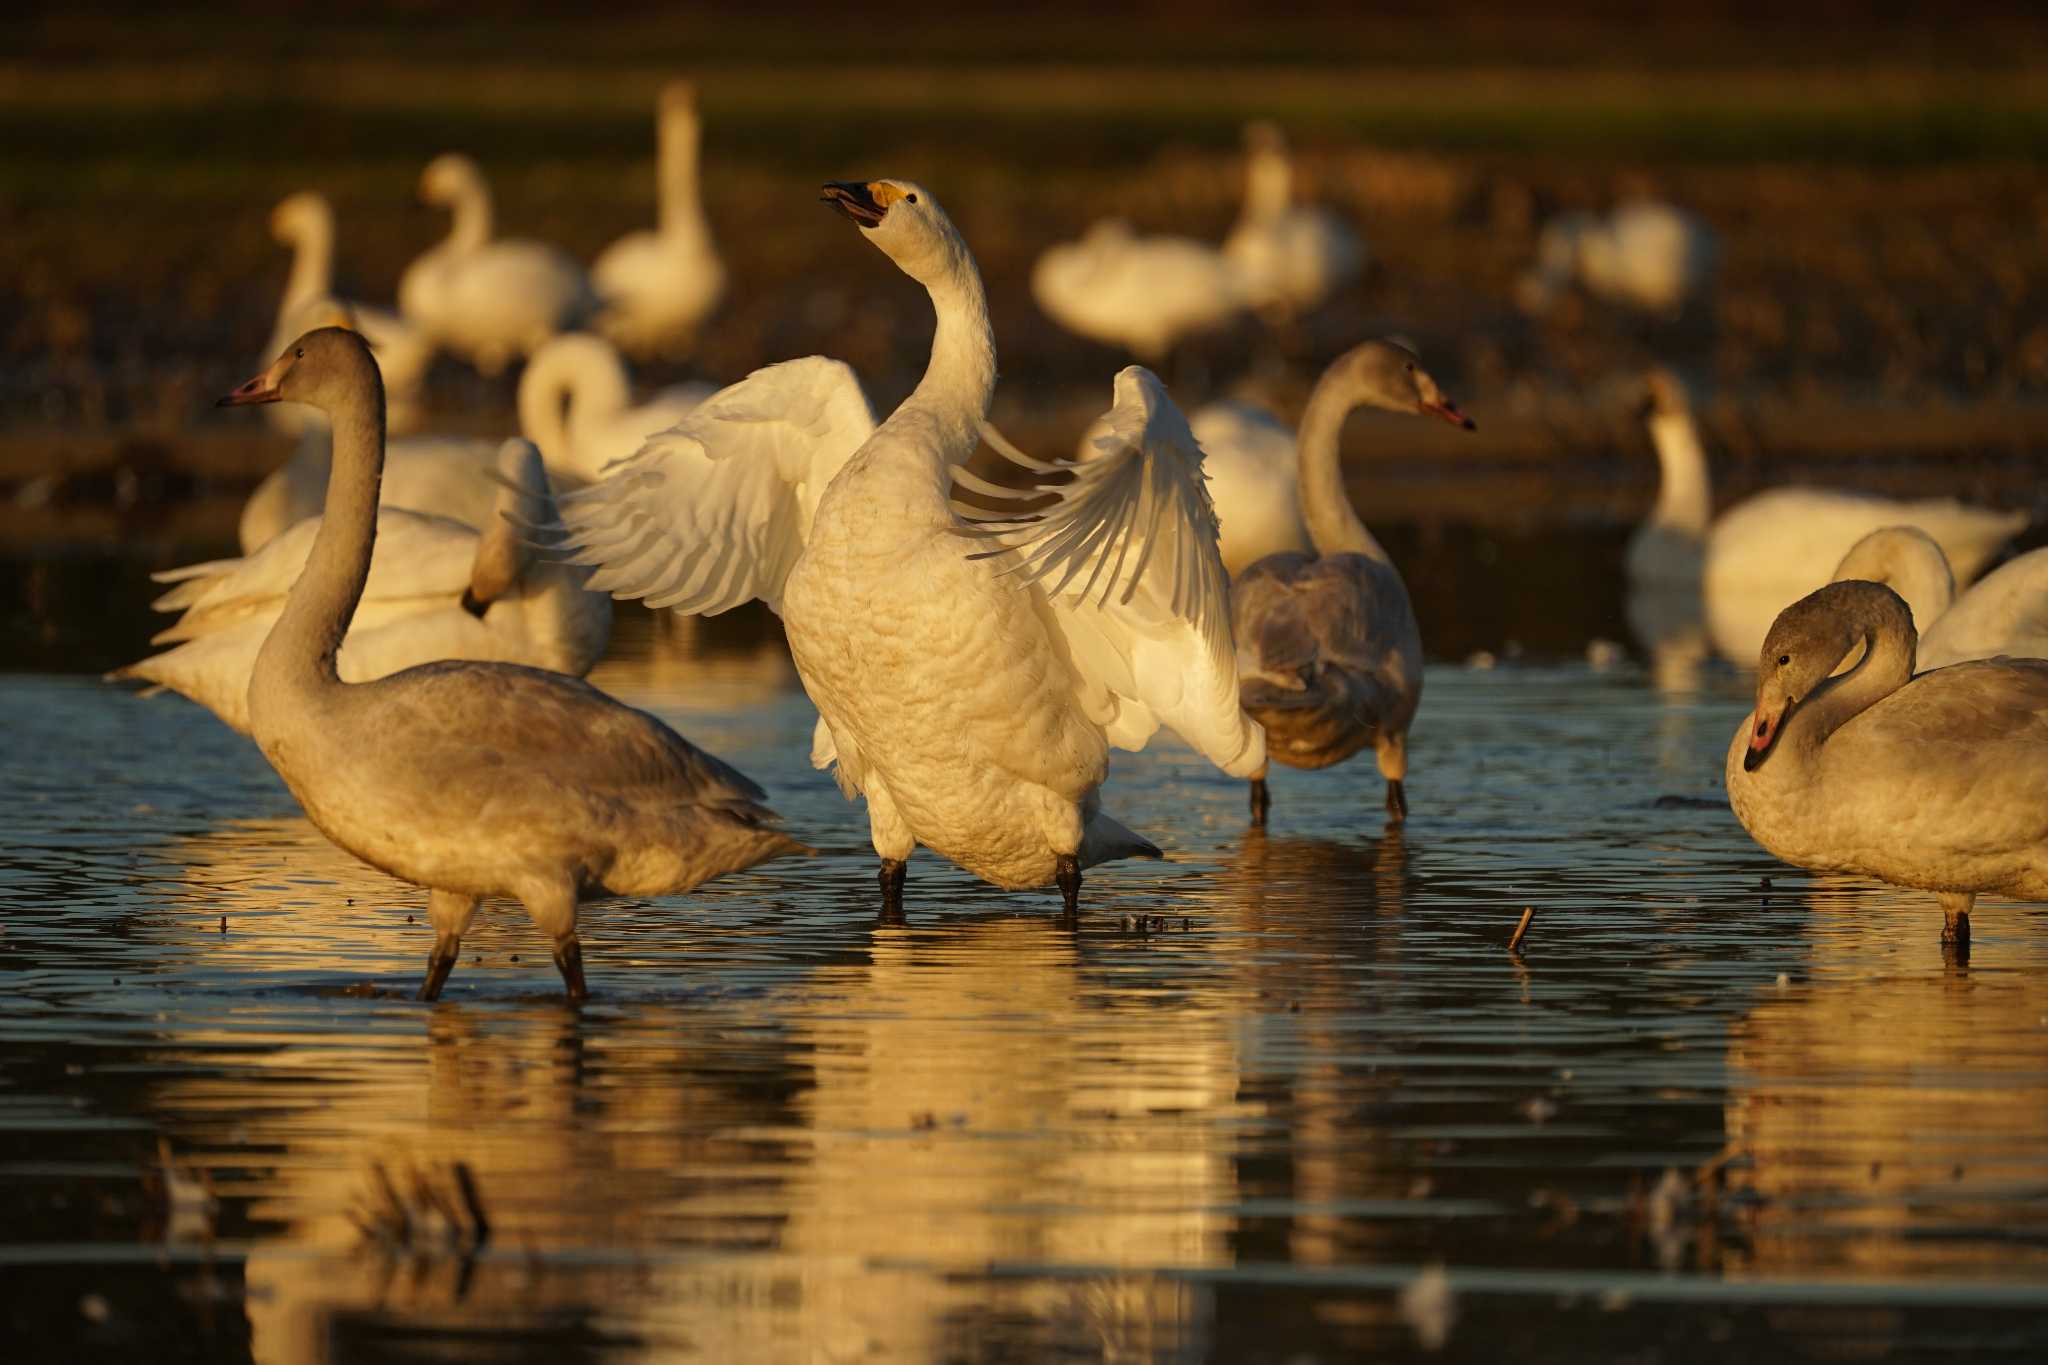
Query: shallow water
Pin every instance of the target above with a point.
(1281, 1098)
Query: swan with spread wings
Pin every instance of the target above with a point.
(971, 669)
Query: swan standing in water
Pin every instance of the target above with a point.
(305, 223)
(657, 288)
(2004, 613)
(574, 403)
(970, 683)
(1938, 782)
(489, 300)
(1328, 647)
(437, 590)
(1291, 258)
(1141, 293)
(471, 779)
(1770, 549)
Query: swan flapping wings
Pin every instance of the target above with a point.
(715, 510)
(1126, 558)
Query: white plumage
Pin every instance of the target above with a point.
(576, 404)
(1291, 257)
(1141, 293)
(657, 288)
(1646, 255)
(2003, 613)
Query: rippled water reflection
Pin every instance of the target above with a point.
(1248, 1129)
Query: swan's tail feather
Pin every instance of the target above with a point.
(1105, 840)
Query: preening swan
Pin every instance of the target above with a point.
(1646, 255)
(305, 223)
(575, 404)
(1938, 781)
(1329, 651)
(1290, 257)
(1772, 548)
(471, 779)
(970, 680)
(437, 590)
(488, 300)
(657, 288)
(1141, 293)
(2003, 613)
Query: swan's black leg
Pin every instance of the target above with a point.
(891, 878)
(1397, 801)
(569, 961)
(440, 962)
(1262, 801)
(1067, 871)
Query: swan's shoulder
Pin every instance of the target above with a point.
(1990, 715)
(1293, 609)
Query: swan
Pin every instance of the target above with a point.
(1141, 293)
(1773, 547)
(305, 223)
(970, 678)
(471, 779)
(573, 404)
(1329, 652)
(1938, 782)
(2004, 613)
(437, 590)
(657, 288)
(484, 299)
(1290, 258)
(1646, 255)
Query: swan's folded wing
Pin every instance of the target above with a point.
(1126, 559)
(715, 510)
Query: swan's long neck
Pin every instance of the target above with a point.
(298, 657)
(1333, 524)
(680, 209)
(1684, 499)
(946, 408)
(569, 386)
(312, 274)
(1886, 666)
(471, 209)
(1269, 185)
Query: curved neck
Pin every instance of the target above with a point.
(1333, 525)
(1269, 185)
(312, 274)
(298, 656)
(1886, 666)
(569, 386)
(471, 210)
(1684, 499)
(680, 205)
(953, 397)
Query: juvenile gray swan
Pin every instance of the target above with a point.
(1329, 654)
(471, 779)
(1938, 782)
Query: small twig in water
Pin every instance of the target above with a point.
(1522, 929)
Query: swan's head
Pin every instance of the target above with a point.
(327, 369)
(679, 100)
(1807, 643)
(1386, 374)
(1909, 562)
(297, 215)
(449, 177)
(1664, 394)
(903, 220)
(1262, 137)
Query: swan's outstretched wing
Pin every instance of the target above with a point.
(715, 510)
(1125, 557)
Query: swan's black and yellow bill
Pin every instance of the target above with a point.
(856, 200)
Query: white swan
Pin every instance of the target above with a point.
(2004, 613)
(1329, 652)
(971, 694)
(305, 223)
(1291, 258)
(574, 398)
(1938, 781)
(1249, 456)
(1772, 548)
(437, 590)
(1646, 255)
(1141, 293)
(488, 300)
(471, 779)
(657, 288)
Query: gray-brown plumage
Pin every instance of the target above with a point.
(1329, 653)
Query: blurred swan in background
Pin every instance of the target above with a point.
(574, 398)
(472, 779)
(305, 223)
(657, 288)
(1291, 258)
(1770, 549)
(1933, 781)
(2003, 613)
(1249, 457)
(484, 299)
(970, 696)
(1144, 294)
(1329, 651)
(436, 590)
(1646, 255)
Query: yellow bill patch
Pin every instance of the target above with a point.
(883, 193)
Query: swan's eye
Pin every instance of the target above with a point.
(299, 353)
(911, 197)
(1784, 659)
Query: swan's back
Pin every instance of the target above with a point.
(1249, 457)
(1139, 292)
(2005, 613)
